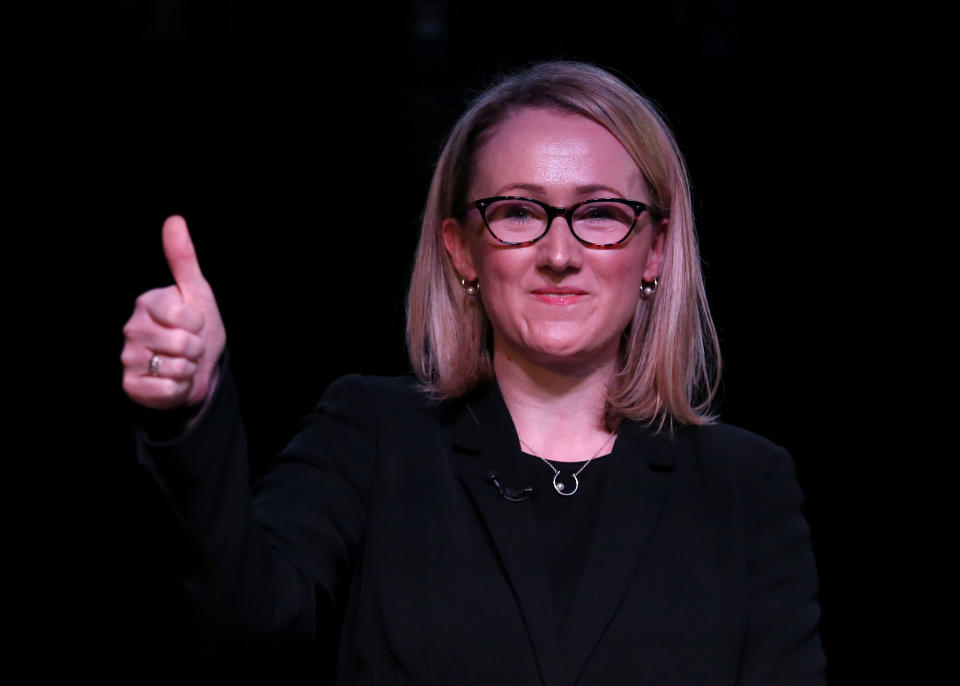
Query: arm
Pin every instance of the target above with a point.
(247, 568)
(783, 641)
(260, 568)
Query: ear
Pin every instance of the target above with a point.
(456, 245)
(654, 264)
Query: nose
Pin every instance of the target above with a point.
(559, 250)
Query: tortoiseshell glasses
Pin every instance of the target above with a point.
(597, 223)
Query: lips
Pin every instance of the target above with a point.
(559, 290)
(559, 295)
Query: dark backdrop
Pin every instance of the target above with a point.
(258, 122)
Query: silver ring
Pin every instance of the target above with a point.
(153, 366)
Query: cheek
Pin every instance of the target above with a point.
(499, 269)
(501, 274)
(623, 284)
(495, 288)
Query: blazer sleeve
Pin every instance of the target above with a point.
(783, 641)
(263, 565)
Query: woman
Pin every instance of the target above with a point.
(549, 502)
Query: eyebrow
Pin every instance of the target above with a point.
(579, 190)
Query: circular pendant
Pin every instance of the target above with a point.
(562, 487)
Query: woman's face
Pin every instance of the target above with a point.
(556, 302)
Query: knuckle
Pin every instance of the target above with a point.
(160, 310)
(133, 388)
(187, 316)
(135, 321)
(132, 334)
(182, 368)
(162, 314)
(200, 320)
(137, 329)
(179, 342)
(189, 369)
(148, 297)
(162, 301)
(127, 356)
(198, 348)
(167, 387)
(175, 311)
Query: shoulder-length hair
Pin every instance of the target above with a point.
(669, 361)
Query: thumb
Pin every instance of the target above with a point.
(182, 258)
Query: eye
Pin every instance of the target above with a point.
(598, 212)
(605, 213)
(514, 211)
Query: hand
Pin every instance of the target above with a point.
(178, 328)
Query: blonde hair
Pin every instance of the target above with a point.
(669, 362)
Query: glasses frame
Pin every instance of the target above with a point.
(554, 212)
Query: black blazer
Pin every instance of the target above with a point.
(379, 515)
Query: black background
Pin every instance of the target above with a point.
(253, 119)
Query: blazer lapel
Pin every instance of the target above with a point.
(633, 500)
(485, 441)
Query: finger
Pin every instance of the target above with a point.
(168, 309)
(169, 342)
(156, 392)
(182, 258)
(164, 366)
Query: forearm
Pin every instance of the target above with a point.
(237, 588)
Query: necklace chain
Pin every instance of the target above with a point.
(561, 489)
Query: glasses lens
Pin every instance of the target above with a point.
(603, 222)
(516, 221)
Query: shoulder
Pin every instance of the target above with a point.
(362, 414)
(721, 436)
(758, 465)
(733, 444)
(381, 400)
(764, 472)
(398, 390)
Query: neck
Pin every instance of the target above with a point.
(559, 413)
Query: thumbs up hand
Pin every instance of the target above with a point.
(175, 336)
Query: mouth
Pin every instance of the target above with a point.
(559, 296)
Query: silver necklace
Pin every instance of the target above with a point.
(559, 486)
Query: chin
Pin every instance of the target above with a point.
(567, 347)
(568, 354)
